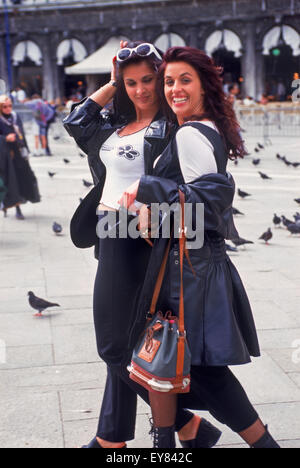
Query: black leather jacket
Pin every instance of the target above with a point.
(90, 127)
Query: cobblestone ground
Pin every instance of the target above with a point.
(51, 380)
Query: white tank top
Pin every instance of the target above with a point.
(123, 157)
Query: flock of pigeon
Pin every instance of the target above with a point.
(293, 226)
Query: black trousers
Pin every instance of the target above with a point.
(116, 289)
(214, 389)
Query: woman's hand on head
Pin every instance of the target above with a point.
(129, 196)
(123, 44)
(114, 62)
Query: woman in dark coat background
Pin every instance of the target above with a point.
(219, 325)
(20, 181)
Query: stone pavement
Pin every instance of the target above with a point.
(51, 380)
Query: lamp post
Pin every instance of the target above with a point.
(7, 44)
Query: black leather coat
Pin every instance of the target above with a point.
(218, 317)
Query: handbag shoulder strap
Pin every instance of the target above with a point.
(181, 330)
(182, 241)
(161, 274)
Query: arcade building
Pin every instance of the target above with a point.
(58, 48)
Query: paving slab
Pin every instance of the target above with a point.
(52, 380)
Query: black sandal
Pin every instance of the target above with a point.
(207, 436)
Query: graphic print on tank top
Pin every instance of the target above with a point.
(128, 152)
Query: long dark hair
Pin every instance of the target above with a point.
(217, 107)
(123, 106)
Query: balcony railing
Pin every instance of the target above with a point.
(27, 4)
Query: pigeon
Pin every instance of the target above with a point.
(266, 236)
(279, 157)
(286, 162)
(260, 145)
(51, 174)
(263, 175)
(296, 164)
(296, 217)
(230, 248)
(57, 228)
(276, 220)
(235, 211)
(240, 241)
(255, 161)
(66, 161)
(297, 200)
(39, 304)
(243, 194)
(293, 228)
(56, 137)
(236, 162)
(286, 221)
(256, 150)
(86, 183)
(82, 155)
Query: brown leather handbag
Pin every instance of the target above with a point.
(161, 359)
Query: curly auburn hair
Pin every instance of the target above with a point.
(216, 104)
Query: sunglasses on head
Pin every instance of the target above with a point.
(142, 50)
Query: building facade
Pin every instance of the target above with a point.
(256, 41)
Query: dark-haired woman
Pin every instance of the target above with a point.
(219, 325)
(121, 147)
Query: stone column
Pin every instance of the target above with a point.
(260, 73)
(49, 81)
(193, 36)
(3, 65)
(249, 61)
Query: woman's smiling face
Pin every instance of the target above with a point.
(183, 90)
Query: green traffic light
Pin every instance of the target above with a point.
(276, 52)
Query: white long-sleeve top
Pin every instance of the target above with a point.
(195, 152)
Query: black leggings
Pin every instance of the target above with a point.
(214, 389)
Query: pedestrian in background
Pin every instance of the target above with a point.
(43, 115)
(19, 180)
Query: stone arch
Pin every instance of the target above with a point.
(289, 34)
(70, 49)
(27, 50)
(169, 39)
(281, 56)
(225, 46)
(224, 38)
(27, 60)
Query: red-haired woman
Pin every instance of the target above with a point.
(218, 319)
